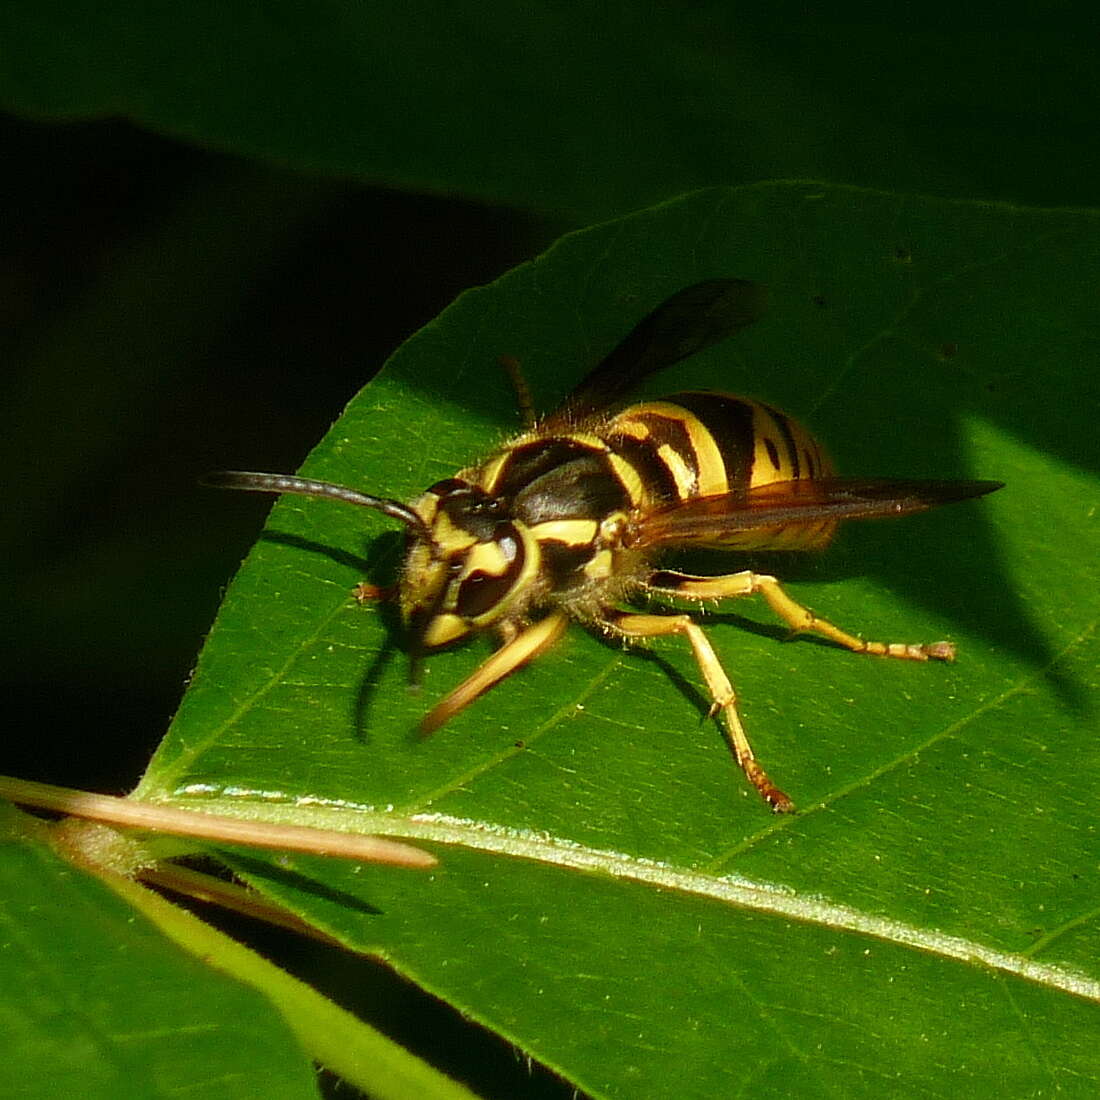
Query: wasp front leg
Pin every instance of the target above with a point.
(520, 646)
(631, 625)
(800, 619)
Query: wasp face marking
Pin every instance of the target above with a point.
(479, 559)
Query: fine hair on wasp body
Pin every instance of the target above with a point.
(568, 521)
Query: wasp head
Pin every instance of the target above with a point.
(469, 564)
(473, 569)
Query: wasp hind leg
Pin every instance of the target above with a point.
(630, 625)
(800, 619)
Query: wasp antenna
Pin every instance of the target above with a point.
(253, 482)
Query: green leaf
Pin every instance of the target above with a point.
(95, 1002)
(152, 1010)
(579, 109)
(612, 898)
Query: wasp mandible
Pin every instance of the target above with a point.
(568, 520)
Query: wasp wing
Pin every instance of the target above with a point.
(691, 320)
(808, 501)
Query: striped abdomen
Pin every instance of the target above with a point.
(707, 444)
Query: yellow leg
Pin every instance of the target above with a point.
(800, 619)
(721, 691)
(523, 647)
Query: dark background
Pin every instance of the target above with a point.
(123, 396)
(117, 555)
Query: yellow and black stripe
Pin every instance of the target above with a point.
(569, 495)
(700, 444)
(563, 490)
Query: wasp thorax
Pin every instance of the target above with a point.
(469, 576)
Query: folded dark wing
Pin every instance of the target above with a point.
(691, 320)
(705, 519)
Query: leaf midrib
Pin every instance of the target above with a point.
(770, 898)
(762, 897)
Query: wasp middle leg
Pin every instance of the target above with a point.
(800, 619)
(631, 625)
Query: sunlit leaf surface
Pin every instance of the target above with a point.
(611, 897)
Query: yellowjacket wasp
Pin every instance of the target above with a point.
(565, 521)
